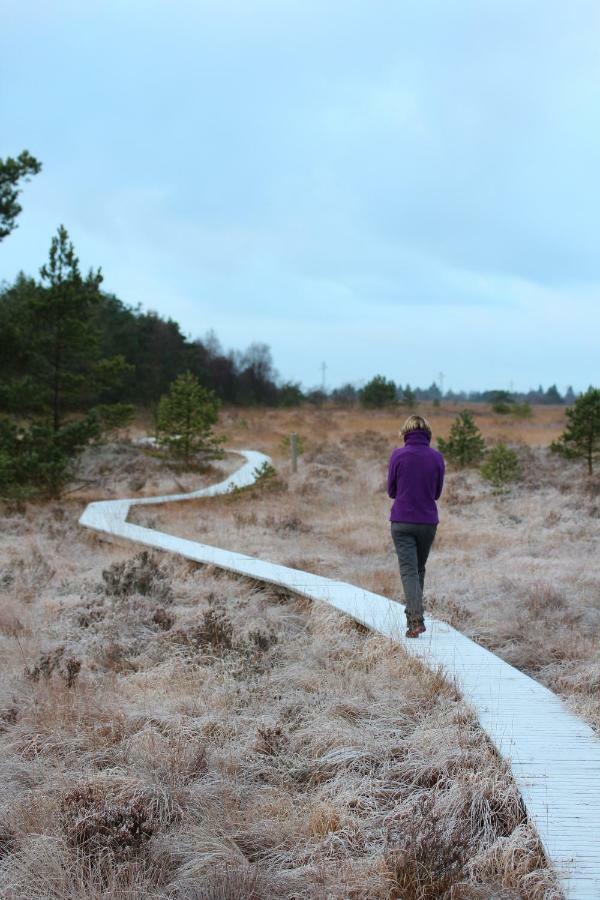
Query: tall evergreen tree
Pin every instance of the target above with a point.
(12, 171)
(581, 437)
(18, 391)
(409, 397)
(570, 396)
(65, 360)
(379, 392)
(552, 395)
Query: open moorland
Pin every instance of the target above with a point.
(170, 731)
(517, 570)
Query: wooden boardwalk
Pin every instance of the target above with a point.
(554, 755)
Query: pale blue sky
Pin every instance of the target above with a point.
(391, 187)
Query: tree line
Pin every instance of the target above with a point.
(381, 391)
(75, 359)
(149, 351)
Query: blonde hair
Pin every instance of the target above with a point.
(414, 423)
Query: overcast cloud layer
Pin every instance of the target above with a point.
(394, 187)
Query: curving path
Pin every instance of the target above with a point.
(555, 756)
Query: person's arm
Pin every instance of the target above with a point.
(440, 483)
(391, 481)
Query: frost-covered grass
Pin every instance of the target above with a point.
(169, 731)
(518, 571)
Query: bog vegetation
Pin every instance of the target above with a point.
(167, 731)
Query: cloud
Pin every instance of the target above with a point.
(296, 173)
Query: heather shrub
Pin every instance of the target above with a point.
(287, 524)
(214, 631)
(163, 619)
(65, 665)
(425, 858)
(140, 575)
(96, 819)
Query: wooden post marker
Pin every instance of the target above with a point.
(294, 449)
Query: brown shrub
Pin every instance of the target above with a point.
(425, 857)
(544, 598)
(66, 666)
(141, 574)
(288, 524)
(269, 740)
(162, 618)
(92, 612)
(235, 882)
(215, 631)
(8, 717)
(95, 819)
(264, 640)
(449, 610)
(370, 441)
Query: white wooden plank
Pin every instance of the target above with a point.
(555, 756)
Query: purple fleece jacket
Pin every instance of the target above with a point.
(415, 479)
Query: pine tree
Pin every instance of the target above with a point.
(501, 465)
(66, 364)
(36, 460)
(581, 437)
(552, 395)
(186, 416)
(12, 171)
(409, 397)
(465, 445)
(570, 396)
(379, 392)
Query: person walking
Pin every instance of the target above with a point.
(415, 482)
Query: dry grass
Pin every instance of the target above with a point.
(518, 571)
(266, 429)
(167, 731)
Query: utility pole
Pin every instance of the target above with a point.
(441, 380)
(323, 370)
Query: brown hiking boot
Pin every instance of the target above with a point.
(415, 627)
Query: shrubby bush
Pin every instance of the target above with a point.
(521, 410)
(501, 465)
(502, 402)
(38, 460)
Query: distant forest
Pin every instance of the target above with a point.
(65, 343)
(156, 351)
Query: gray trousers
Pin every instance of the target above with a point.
(413, 541)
